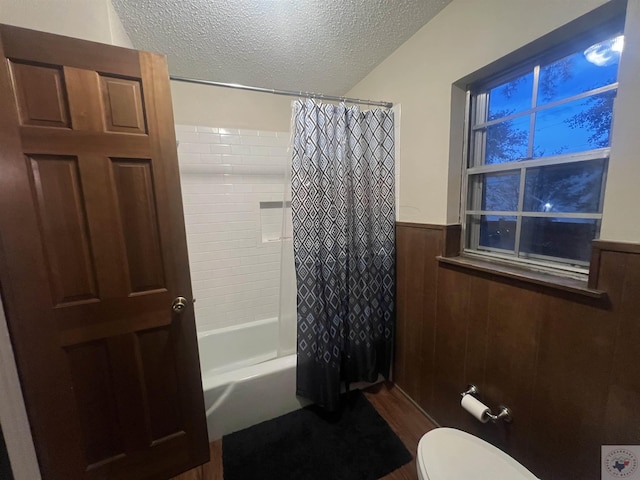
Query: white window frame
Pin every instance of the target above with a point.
(474, 154)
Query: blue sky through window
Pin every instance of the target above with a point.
(575, 74)
(573, 189)
(511, 97)
(572, 127)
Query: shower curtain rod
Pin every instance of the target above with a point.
(289, 93)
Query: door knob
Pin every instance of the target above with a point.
(179, 304)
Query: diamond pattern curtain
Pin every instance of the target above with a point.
(344, 245)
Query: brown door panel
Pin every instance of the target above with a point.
(92, 253)
(43, 48)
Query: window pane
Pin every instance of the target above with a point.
(497, 191)
(495, 232)
(596, 67)
(559, 237)
(511, 97)
(572, 187)
(507, 141)
(574, 127)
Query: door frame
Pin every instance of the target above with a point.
(13, 413)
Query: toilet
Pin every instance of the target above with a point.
(450, 454)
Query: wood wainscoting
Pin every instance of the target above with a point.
(567, 365)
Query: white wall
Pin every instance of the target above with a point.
(94, 20)
(217, 106)
(466, 36)
(119, 35)
(621, 220)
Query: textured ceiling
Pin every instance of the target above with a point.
(324, 46)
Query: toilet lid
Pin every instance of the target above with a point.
(450, 454)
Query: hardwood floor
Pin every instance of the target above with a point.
(405, 419)
(402, 416)
(209, 471)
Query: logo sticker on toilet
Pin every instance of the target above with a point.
(620, 461)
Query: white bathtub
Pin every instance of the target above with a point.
(243, 381)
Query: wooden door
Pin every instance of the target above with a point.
(92, 254)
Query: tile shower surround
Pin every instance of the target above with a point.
(225, 175)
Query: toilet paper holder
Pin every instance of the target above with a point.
(504, 413)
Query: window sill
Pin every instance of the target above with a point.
(556, 282)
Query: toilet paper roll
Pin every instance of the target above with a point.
(475, 407)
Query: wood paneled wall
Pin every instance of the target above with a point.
(567, 365)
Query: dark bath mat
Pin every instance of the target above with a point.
(310, 444)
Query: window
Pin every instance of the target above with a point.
(538, 149)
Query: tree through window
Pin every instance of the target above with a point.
(538, 150)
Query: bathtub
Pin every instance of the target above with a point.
(243, 379)
(244, 382)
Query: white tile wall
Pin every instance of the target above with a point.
(225, 174)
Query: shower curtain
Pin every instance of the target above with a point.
(343, 208)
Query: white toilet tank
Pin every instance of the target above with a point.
(450, 454)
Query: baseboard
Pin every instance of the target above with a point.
(431, 419)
